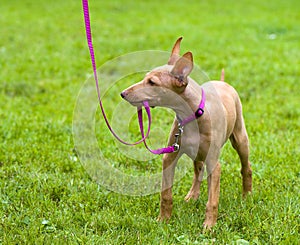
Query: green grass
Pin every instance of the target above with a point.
(46, 195)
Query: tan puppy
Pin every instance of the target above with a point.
(202, 139)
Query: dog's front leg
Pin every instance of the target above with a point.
(166, 200)
(213, 197)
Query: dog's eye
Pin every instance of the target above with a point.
(151, 82)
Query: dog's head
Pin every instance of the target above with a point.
(159, 84)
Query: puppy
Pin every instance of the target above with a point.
(201, 138)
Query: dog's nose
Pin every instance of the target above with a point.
(123, 94)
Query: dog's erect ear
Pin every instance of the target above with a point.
(183, 67)
(175, 52)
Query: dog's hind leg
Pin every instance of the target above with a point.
(240, 142)
(198, 175)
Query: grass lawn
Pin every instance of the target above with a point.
(46, 195)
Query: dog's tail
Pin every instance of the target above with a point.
(223, 75)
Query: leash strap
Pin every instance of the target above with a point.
(92, 55)
(175, 147)
(168, 149)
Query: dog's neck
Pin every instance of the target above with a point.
(191, 96)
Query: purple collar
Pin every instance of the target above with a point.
(198, 113)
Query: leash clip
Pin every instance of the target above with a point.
(176, 145)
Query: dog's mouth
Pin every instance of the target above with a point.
(141, 104)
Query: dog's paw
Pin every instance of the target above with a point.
(247, 193)
(159, 219)
(191, 195)
(163, 219)
(207, 226)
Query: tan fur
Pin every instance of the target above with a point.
(170, 86)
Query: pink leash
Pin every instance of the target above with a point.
(175, 147)
(91, 49)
